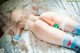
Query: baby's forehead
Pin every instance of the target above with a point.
(17, 11)
(17, 14)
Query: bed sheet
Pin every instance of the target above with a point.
(28, 43)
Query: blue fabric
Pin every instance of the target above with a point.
(74, 43)
(5, 43)
(65, 40)
(79, 47)
(40, 11)
(16, 37)
(77, 29)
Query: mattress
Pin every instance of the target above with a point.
(28, 43)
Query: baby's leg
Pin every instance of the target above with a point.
(52, 35)
(71, 42)
(63, 21)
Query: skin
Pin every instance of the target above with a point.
(57, 18)
(43, 30)
(47, 33)
(20, 26)
(19, 29)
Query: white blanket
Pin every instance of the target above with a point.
(35, 45)
(32, 44)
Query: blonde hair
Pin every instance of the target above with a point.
(18, 14)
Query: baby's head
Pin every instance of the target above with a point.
(18, 15)
(22, 15)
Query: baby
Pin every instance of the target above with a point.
(51, 18)
(21, 17)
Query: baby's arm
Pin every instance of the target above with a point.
(18, 32)
(15, 36)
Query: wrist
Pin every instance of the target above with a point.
(18, 31)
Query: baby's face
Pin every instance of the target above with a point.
(20, 15)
